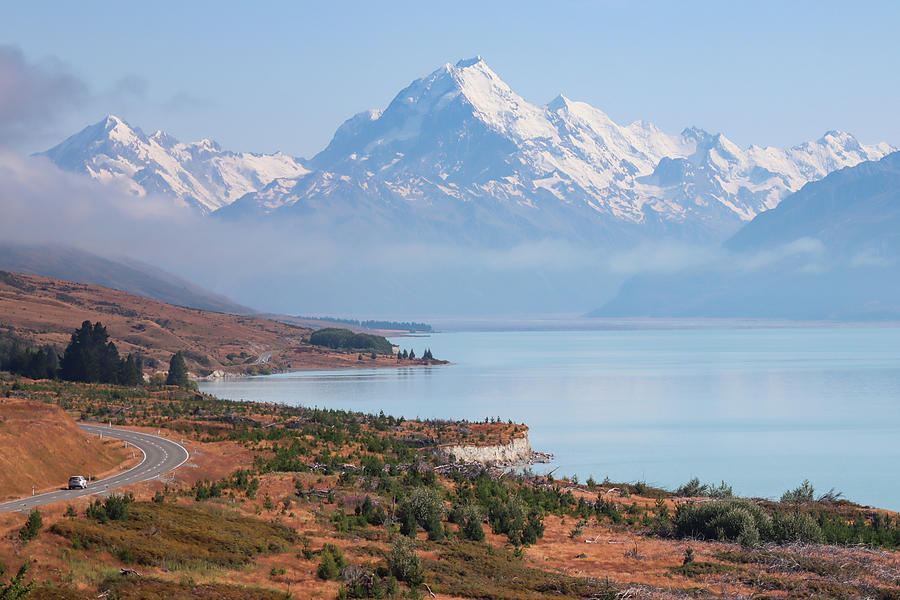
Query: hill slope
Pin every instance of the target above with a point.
(832, 250)
(41, 446)
(48, 310)
(135, 277)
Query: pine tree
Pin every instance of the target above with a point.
(17, 588)
(32, 526)
(412, 354)
(131, 371)
(90, 357)
(178, 373)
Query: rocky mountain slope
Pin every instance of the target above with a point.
(459, 155)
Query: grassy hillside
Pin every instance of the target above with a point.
(47, 311)
(124, 274)
(41, 446)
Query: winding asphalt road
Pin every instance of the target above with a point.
(160, 455)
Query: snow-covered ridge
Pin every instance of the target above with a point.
(458, 153)
(461, 137)
(200, 174)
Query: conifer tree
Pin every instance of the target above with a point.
(90, 357)
(178, 373)
(17, 587)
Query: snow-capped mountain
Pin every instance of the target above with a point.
(460, 147)
(828, 251)
(460, 154)
(200, 174)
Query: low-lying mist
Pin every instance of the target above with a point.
(302, 267)
(299, 267)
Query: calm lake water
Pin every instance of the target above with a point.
(761, 408)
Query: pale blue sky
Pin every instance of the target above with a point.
(284, 75)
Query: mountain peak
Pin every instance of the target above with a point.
(163, 139)
(470, 62)
(559, 102)
(117, 130)
(113, 121)
(838, 137)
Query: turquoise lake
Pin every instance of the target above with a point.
(761, 408)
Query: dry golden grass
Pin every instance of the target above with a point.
(41, 446)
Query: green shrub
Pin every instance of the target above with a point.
(327, 567)
(425, 508)
(796, 527)
(471, 528)
(692, 488)
(723, 490)
(609, 509)
(802, 494)
(508, 516)
(32, 526)
(113, 508)
(404, 563)
(724, 520)
(16, 589)
(331, 563)
(371, 512)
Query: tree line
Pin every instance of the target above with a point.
(88, 358)
(411, 354)
(344, 339)
(410, 326)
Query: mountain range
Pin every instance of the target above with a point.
(829, 251)
(200, 174)
(459, 155)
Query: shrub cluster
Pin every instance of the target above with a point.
(423, 508)
(694, 488)
(523, 526)
(344, 339)
(744, 522)
(403, 562)
(331, 562)
(468, 517)
(113, 508)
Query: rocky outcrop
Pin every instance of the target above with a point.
(517, 450)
